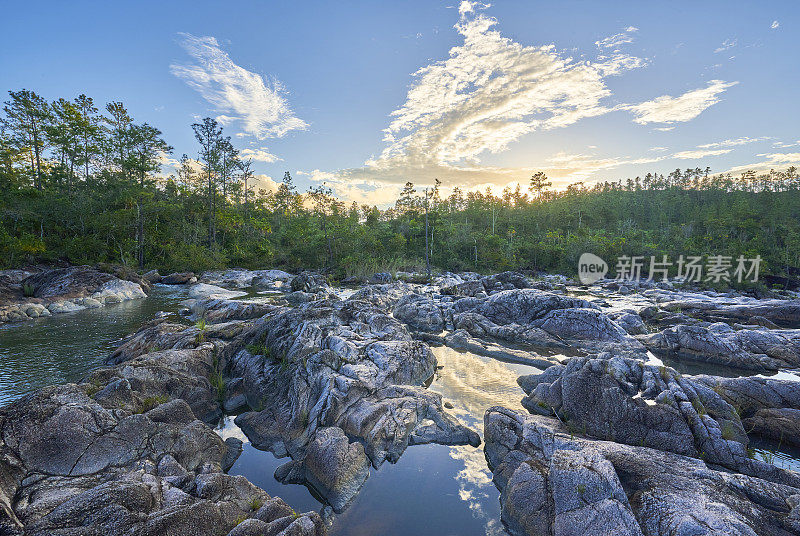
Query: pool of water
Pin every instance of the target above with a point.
(65, 347)
(432, 489)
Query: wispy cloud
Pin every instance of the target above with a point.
(700, 153)
(734, 142)
(727, 44)
(777, 161)
(238, 95)
(617, 40)
(775, 25)
(668, 109)
(486, 95)
(784, 145)
(259, 155)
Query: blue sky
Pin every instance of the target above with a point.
(367, 95)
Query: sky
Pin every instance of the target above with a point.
(365, 96)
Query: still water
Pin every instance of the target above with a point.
(432, 489)
(65, 347)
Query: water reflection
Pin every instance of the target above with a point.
(432, 489)
(65, 347)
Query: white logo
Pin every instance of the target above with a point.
(591, 268)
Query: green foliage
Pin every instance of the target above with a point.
(91, 185)
(150, 402)
(256, 503)
(28, 290)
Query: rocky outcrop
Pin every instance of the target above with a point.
(555, 483)
(215, 310)
(626, 401)
(310, 282)
(265, 279)
(125, 453)
(204, 290)
(715, 307)
(752, 349)
(162, 335)
(179, 278)
(65, 290)
(345, 369)
(420, 313)
(768, 407)
(543, 319)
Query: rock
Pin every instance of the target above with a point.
(506, 281)
(266, 279)
(381, 278)
(335, 467)
(461, 340)
(202, 290)
(152, 276)
(74, 282)
(65, 290)
(768, 407)
(752, 349)
(543, 320)
(420, 313)
(631, 322)
(232, 452)
(472, 288)
(338, 364)
(623, 400)
(179, 278)
(310, 282)
(69, 465)
(553, 482)
(719, 307)
(215, 310)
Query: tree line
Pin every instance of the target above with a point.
(83, 185)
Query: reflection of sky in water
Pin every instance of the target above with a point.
(433, 489)
(473, 384)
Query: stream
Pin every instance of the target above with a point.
(432, 489)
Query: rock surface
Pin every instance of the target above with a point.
(719, 343)
(63, 290)
(554, 483)
(134, 459)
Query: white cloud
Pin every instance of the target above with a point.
(658, 149)
(617, 40)
(262, 182)
(784, 145)
(667, 109)
(777, 161)
(700, 153)
(259, 155)
(775, 24)
(664, 129)
(733, 142)
(237, 94)
(727, 44)
(487, 94)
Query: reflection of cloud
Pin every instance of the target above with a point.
(473, 384)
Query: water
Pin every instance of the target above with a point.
(65, 347)
(432, 489)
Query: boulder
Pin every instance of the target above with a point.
(179, 278)
(719, 344)
(419, 313)
(553, 482)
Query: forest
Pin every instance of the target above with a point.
(81, 184)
